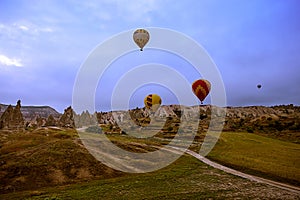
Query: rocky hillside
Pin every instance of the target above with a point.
(31, 112)
(17, 117)
(259, 118)
(279, 121)
(252, 118)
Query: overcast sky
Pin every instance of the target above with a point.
(44, 43)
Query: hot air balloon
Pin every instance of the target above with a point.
(141, 37)
(152, 102)
(259, 86)
(201, 89)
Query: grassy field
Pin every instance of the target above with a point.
(258, 155)
(34, 157)
(187, 178)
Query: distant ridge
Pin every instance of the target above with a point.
(30, 112)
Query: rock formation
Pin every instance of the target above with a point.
(6, 117)
(67, 119)
(85, 119)
(51, 121)
(40, 121)
(12, 118)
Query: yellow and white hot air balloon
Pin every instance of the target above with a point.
(152, 102)
(141, 37)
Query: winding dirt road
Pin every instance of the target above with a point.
(241, 174)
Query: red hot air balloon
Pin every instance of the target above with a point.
(201, 88)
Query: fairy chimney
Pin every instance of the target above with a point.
(67, 119)
(51, 121)
(12, 118)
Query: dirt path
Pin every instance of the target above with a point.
(241, 174)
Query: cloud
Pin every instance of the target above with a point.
(34, 28)
(24, 28)
(4, 60)
(47, 30)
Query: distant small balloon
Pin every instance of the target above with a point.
(141, 38)
(258, 86)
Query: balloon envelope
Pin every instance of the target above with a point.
(201, 88)
(258, 86)
(141, 37)
(152, 102)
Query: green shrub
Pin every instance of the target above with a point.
(250, 130)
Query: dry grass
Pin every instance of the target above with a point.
(46, 157)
